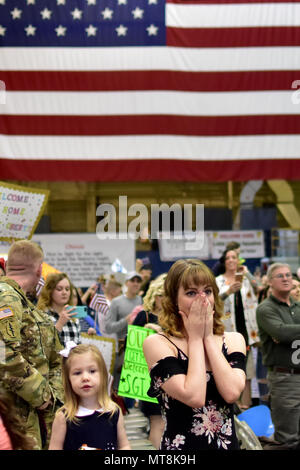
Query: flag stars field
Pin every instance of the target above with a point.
(30, 30)
(152, 30)
(46, 14)
(77, 14)
(138, 13)
(91, 30)
(16, 13)
(107, 13)
(61, 30)
(121, 30)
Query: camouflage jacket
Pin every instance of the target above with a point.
(30, 366)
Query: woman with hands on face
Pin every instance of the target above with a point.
(197, 372)
(56, 299)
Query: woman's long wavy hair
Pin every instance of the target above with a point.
(156, 287)
(71, 400)
(45, 298)
(187, 272)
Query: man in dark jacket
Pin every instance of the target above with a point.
(278, 319)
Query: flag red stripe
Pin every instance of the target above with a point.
(234, 37)
(150, 80)
(147, 125)
(149, 170)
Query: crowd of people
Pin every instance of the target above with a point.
(216, 330)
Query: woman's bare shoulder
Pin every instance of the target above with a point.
(157, 341)
(157, 347)
(235, 342)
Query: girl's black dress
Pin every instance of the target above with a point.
(209, 427)
(93, 428)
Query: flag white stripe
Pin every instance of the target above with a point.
(232, 15)
(152, 102)
(150, 147)
(152, 58)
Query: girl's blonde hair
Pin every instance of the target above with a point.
(71, 400)
(186, 272)
(45, 298)
(156, 287)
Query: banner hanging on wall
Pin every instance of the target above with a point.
(84, 257)
(251, 243)
(21, 209)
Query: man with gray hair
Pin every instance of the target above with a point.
(278, 319)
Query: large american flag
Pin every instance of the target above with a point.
(120, 90)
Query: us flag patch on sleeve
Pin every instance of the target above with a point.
(6, 312)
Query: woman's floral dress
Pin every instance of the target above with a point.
(186, 428)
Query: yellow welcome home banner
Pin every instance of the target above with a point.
(20, 210)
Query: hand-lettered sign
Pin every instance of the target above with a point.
(135, 378)
(20, 210)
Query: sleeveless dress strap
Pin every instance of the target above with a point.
(164, 336)
(179, 351)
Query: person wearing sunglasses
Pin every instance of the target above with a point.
(278, 319)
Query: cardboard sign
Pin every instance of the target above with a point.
(135, 378)
(20, 210)
(107, 347)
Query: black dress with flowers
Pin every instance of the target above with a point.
(186, 428)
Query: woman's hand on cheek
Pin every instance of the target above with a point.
(209, 321)
(194, 321)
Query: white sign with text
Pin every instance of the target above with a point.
(251, 241)
(84, 257)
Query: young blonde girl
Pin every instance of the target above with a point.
(89, 417)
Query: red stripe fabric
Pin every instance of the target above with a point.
(151, 80)
(149, 170)
(148, 125)
(234, 37)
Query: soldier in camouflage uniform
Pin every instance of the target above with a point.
(31, 367)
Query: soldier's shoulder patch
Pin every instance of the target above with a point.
(6, 312)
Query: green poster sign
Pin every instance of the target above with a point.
(135, 378)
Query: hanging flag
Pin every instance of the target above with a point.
(123, 90)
